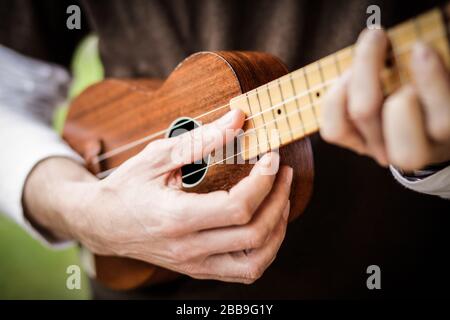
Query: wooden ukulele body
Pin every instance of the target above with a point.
(115, 112)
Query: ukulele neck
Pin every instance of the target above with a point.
(288, 108)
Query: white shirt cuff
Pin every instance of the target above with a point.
(437, 184)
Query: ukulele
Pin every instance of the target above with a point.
(114, 119)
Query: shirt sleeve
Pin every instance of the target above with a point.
(29, 91)
(437, 184)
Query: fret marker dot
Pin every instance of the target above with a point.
(317, 94)
(279, 111)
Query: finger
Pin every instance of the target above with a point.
(432, 84)
(407, 145)
(169, 154)
(193, 212)
(335, 125)
(246, 268)
(365, 91)
(250, 236)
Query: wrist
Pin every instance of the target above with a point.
(53, 196)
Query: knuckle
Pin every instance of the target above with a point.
(254, 272)
(407, 98)
(170, 229)
(394, 104)
(180, 253)
(409, 159)
(398, 104)
(332, 133)
(156, 145)
(369, 40)
(257, 237)
(242, 212)
(440, 128)
(364, 109)
(431, 66)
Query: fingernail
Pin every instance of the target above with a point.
(287, 210)
(290, 174)
(421, 51)
(228, 118)
(371, 35)
(375, 33)
(269, 164)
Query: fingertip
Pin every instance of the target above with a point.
(426, 63)
(233, 119)
(287, 173)
(377, 34)
(269, 164)
(290, 174)
(346, 76)
(238, 117)
(421, 51)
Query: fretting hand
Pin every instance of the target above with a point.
(411, 128)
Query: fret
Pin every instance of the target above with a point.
(319, 67)
(417, 28)
(441, 46)
(431, 21)
(264, 114)
(291, 106)
(306, 110)
(295, 94)
(249, 141)
(275, 99)
(345, 58)
(403, 36)
(330, 69)
(258, 120)
(271, 123)
(399, 63)
(336, 62)
(430, 28)
(286, 114)
(308, 75)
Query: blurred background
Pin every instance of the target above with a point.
(28, 270)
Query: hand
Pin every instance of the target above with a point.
(139, 211)
(411, 128)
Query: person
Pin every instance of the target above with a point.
(46, 190)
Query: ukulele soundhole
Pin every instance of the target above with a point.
(192, 174)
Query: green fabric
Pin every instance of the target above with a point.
(28, 270)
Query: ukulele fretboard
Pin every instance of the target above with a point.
(288, 108)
